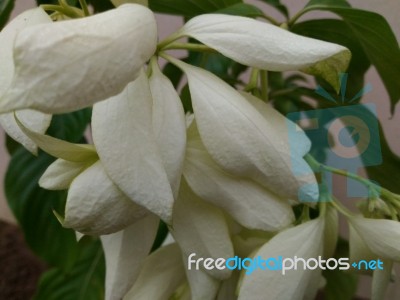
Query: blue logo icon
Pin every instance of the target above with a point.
(345, 137)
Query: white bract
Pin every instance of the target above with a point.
(36, 120)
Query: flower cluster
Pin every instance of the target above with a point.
(221, 178)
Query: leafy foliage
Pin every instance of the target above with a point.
(6, 7)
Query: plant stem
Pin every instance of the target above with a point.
(253, 82)
(84, 7)
(271, 20)
(264, 85)
(188, 46)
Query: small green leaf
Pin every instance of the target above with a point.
(189, 8)
(6, 7)
(340, 285)
(242, 9)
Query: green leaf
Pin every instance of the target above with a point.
(376, 38)
(6, 7)
(242, 9)
(33, 206)
(189, 8)
(337, 31)
(85, 281)
(340, 285)
(279, 6)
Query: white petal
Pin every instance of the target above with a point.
(228, 289)
(125, 252)
(7, 36)
(381, 236)
(241, 141)
(169, 125)
(35, 120)
(200, 228)
(202, 285)
(96, 206)
(60, 148)
(161, 275)
(246, 201)
(358, 250)
(264, 46)
(380, 280)
(60, 174)
(79, 62)
(121, 2)
(124, 138)
(303, 241)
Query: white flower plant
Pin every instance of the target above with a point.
(218, 173)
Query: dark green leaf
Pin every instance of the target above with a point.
(278, 5)
(242, 9)
(6, 7)
(85, 281)
(340, 285)
(376, 38)
(189, 8)
(32, 206)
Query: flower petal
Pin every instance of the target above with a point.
(200, 228)
(125, 252)
(265, 46)
(240, 140)
(82, 61)
(246, 201)
(169, 125)
(331, 231)
(303, 241)
(381, 279)
(60, 174)
(36, 120)
(202, 285)
(124, 138)
(161, 275)
(7, 37)
(96, 206)
(381, 236)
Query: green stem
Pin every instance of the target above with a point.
(84, 7)
(264, 85)
(271, 20)
(340, 208)
(253, 82)
(173, 37)
(298, 15)
(187, 46)
(62, 10)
